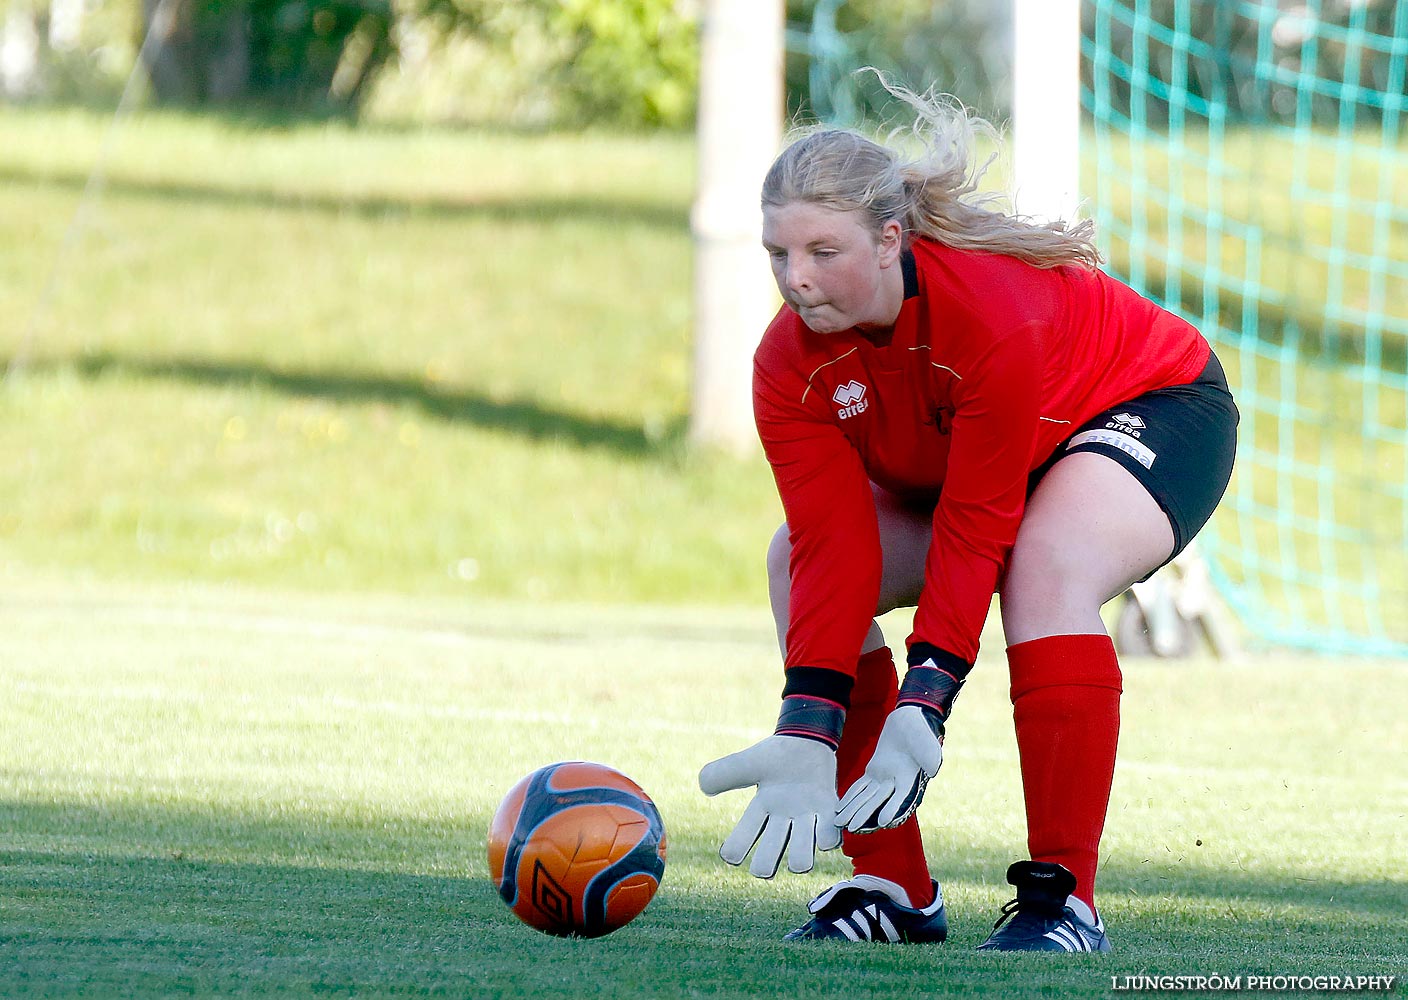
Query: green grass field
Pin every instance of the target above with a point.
(439, 362)
(213, 792)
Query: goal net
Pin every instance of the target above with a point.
(1247, 167)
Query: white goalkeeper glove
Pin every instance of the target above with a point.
(911, 745)
(908, 753)
(793, 810)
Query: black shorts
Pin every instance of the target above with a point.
(1178, 442)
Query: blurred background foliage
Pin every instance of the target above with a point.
(518, 63)
(296, 54)
(628, 63)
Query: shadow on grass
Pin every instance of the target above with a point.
(158, 900)
(529, 419)
(598, 209)
(570, 626)
(353, 850)
(133, 905)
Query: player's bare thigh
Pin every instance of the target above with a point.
(905, 530)
(1090, 530)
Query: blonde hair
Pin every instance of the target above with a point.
(934, 195)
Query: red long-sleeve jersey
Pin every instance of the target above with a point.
(991, 364)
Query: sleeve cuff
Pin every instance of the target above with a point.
(814, 703)
(819, 682)
(933, 681)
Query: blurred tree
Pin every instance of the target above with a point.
(300, 54)
(623, 62)
(633, 61)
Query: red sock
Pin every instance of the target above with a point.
(1066, 706)
(898, 854)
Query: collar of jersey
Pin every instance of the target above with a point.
(903, 330)
(910, 270)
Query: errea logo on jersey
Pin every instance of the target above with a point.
(851, 398)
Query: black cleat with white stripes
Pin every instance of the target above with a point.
(1040, 919)
(865, 908)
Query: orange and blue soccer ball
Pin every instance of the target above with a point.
(577, 849)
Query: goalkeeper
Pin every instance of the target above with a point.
(955, 401)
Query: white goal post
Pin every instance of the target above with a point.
(1046, 108)
(740, 127)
